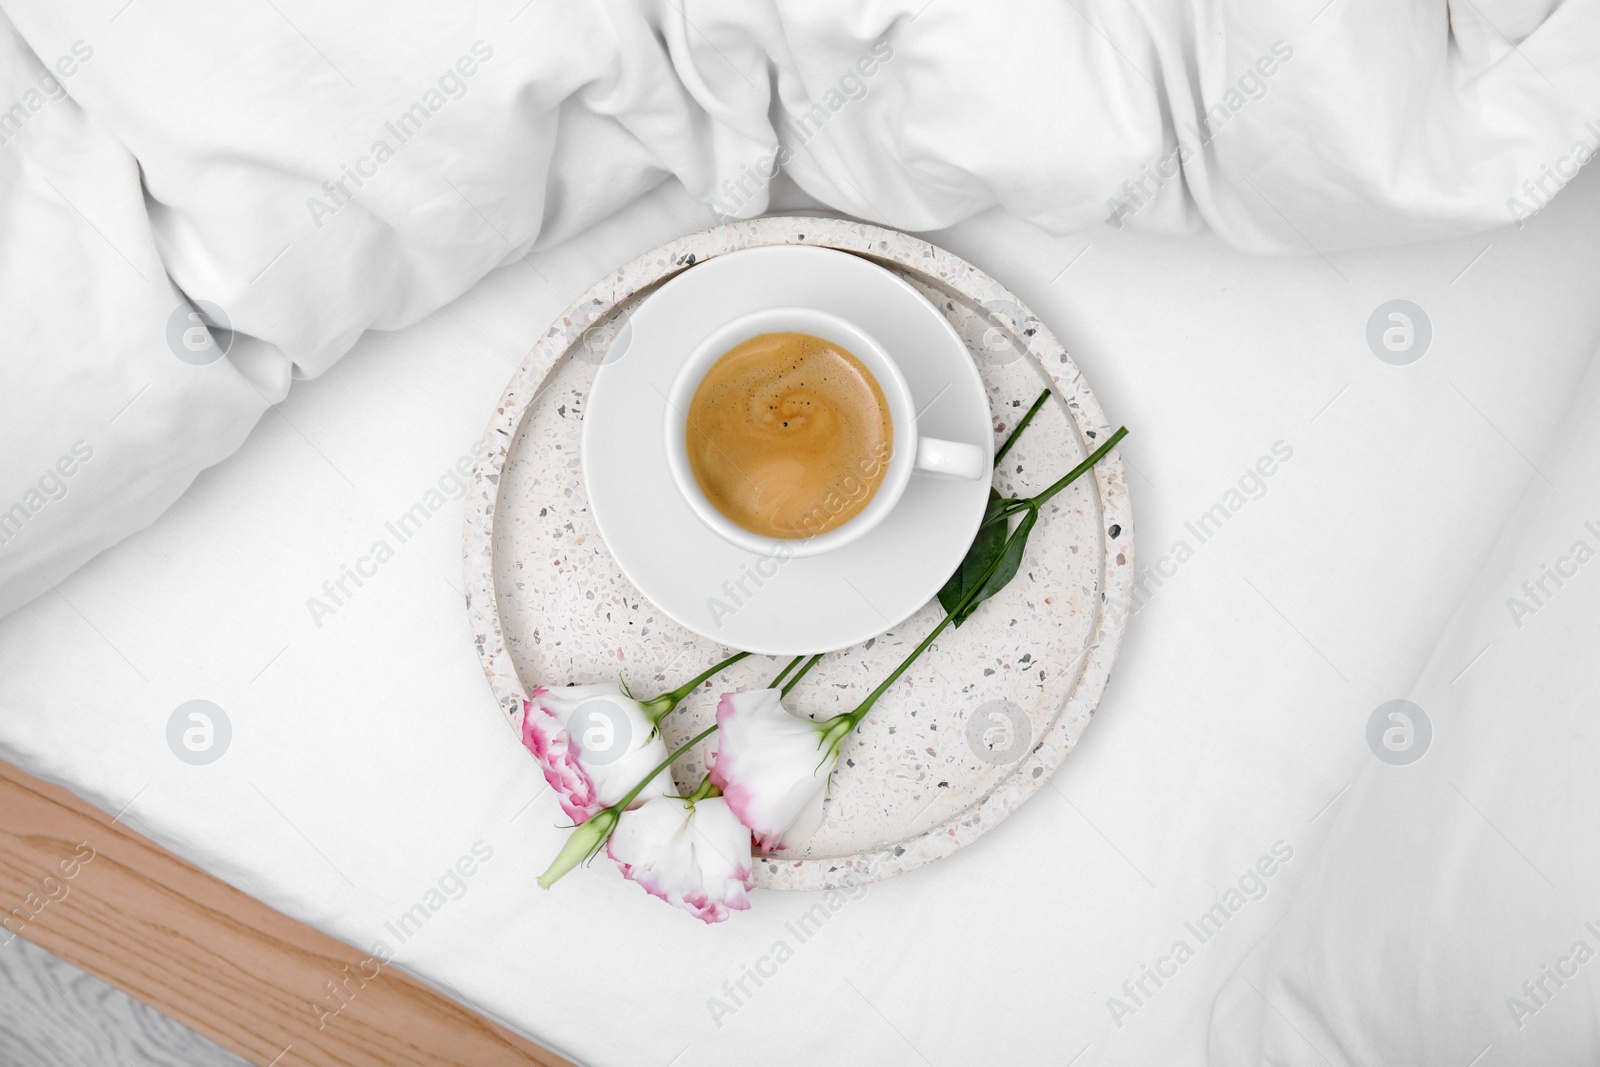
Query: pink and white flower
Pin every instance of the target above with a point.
(772, 766)
(594, 742)
(693, 856)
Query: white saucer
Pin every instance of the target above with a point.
(776, 606)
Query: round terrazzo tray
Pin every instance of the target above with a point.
(966, 735)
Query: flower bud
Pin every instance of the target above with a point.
(585, 840)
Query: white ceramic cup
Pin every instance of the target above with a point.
(911, 451)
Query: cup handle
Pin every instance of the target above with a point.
(952, 458)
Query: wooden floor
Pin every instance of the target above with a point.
(94, 893)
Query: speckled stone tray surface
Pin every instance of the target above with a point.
(965, 736)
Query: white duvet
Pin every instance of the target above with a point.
(301, 173)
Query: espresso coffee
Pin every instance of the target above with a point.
(789, 435)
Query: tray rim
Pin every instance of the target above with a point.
(932, 265)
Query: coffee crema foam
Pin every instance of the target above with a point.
(789, 435)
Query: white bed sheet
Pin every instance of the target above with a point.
(1449, 917)
(367, 756)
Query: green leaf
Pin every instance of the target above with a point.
(983, 550)
(1010, 562)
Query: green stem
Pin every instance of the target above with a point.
(1023, 425)
(703, 791)
(840, 726)
(1081, 469)
(1011, 507)
(660, 707)
(633, 794)
(792, 682)
(792, 663)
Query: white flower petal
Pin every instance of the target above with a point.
(771, 767)
(697, 859)
(594, 743)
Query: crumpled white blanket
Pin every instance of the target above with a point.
(293, 174)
